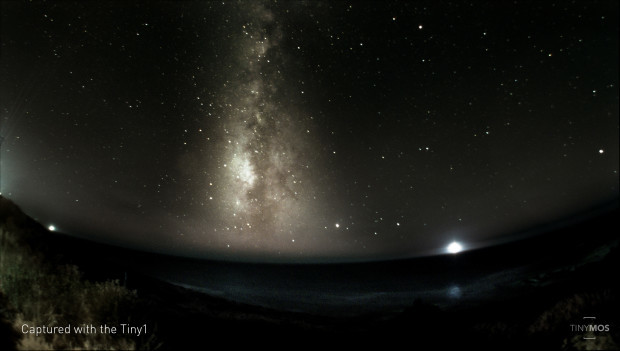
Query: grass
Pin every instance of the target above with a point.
(37, 289)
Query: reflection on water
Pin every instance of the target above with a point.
(454, 292)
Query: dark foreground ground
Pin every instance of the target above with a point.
(565, 275)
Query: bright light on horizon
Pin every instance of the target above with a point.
(51, 228)
(455, 247)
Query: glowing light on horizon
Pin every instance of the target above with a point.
(51, 228)
(455, 247)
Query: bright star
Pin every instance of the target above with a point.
(51, 228)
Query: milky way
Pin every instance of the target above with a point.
(263, 188)
(311, 131)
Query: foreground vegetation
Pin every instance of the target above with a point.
(38, 289)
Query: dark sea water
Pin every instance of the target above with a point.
(383, 287)
(333, 290)
(463, 280)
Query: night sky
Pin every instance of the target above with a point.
(307, 131)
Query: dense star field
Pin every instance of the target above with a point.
(307, 131)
